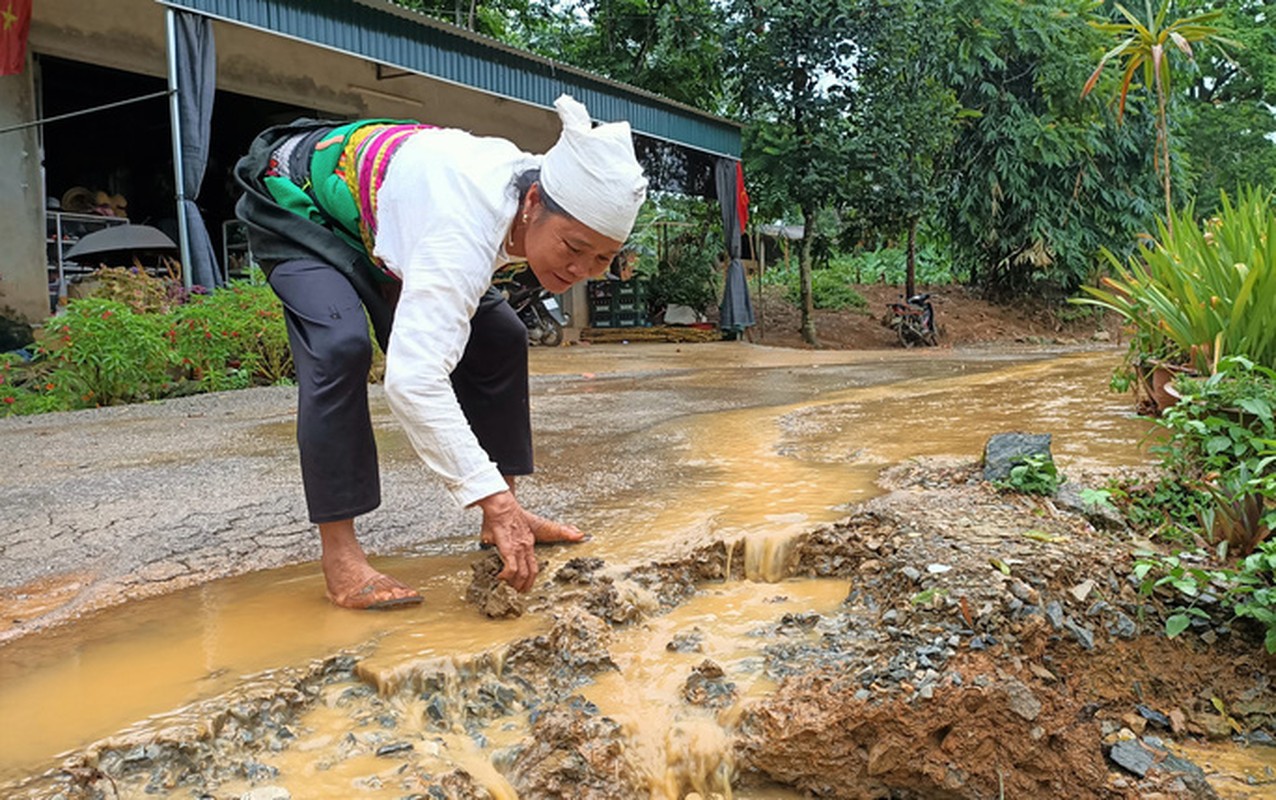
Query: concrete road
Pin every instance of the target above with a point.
(111, 504)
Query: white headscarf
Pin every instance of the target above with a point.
(593, 173)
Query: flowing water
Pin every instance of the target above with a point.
(816, 430)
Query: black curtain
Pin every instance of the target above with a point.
(196, 61)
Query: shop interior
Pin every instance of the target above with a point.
(117, 163)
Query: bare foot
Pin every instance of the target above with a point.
(353, 583)
(547, 531)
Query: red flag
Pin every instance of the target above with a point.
(15, 23)
(741, 197)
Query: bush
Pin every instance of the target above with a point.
(232, 338)
(103, 352)
(1222, 437)
(1202, 293)
(829, 289)
(1247, 592)
(890, 265)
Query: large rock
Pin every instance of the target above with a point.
(1004, 450)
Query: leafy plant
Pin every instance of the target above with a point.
(1248, 591)
(1166, 508)
(103, 352)
(1254, 594)
(139, 290)
(830, 290)
(1223, 435)
(232, 338)
(1200, 291)
(1148, 44)
(1034, 475)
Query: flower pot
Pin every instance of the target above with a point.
(1156, 380)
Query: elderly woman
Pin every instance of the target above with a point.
(408, 223)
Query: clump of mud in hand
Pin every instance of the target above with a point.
(493, 596)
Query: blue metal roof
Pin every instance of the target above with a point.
(375, 30)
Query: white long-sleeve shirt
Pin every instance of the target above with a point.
(443, 211)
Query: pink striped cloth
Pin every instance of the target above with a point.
(370, 148)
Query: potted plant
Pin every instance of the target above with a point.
(1196, 293)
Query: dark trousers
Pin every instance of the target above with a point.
(332, 351)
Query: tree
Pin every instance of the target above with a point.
(792, 62)
(670, 47)
(904, 114)
(1149, 45)
(1226, 126)
(1038, 181)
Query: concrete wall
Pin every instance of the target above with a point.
(24, 285)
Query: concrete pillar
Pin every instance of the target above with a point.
(24, 281)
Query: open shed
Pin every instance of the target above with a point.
(271, 61)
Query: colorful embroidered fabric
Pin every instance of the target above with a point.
(364, 161)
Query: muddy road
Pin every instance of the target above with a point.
(741, 624)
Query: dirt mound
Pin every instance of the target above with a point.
(963, 319)
(991, 646)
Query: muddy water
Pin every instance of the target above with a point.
(1235, 774)
(813, 437)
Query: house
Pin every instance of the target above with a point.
(96, 111)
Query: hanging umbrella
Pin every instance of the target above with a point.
(122, 239)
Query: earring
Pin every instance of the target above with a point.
(524, 217)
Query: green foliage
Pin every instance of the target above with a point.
(1222, 434)
(1034, 475)
(792, 65)
(1247, 591)
(905, 114)
(678, 241)
(886, 265)
(1224, 121)
(102, 352)
(1167, 508)
(1150, 45)
(232, 338)
(1253, 595)
(1038, 181)
(1201, 291)
(688, 272)
(831, 290)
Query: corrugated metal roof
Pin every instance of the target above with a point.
(374, 29)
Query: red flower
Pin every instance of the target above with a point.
(107, 314)
(48, 387)
(11, 400)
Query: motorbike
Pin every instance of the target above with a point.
(914, 321)
(540, 312)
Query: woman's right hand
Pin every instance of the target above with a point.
(505, 525)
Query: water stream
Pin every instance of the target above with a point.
(809, 442)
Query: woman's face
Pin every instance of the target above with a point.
(562, 251)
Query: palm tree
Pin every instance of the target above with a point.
(1149, 44)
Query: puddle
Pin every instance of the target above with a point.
(1234, 773)
(761, 473)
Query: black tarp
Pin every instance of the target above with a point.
(196, 62)
(736, 310)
